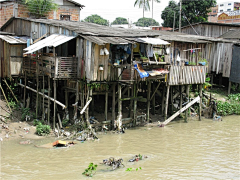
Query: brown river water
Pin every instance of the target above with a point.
(195, 150)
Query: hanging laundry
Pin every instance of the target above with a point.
(136, 48)
(150, 50)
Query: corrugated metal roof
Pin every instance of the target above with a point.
(232, 34)
(53, 40)
(105, 40)
(13, 39)
(6, 33)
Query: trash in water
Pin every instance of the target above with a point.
(114, 163)
(137, 158)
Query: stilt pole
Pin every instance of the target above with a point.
(166, 106)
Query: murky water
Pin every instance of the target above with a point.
(193, 150)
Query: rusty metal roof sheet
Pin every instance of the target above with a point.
(52, 40)
(13, 39)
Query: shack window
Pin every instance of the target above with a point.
(65, 17)
(221, 5)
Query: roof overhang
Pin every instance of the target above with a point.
(53, 40)
(153, 41)
(13, 39)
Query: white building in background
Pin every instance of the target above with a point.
(228, 6)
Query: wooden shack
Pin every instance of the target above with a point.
(72, 63)
(11, 55)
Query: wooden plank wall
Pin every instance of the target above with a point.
(220, 58)
(67, 67)
(180, 75)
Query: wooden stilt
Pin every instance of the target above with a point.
(25, 84)
(135, 104)
(166, 104)
(200, 104)
(43, 111)
(54, 106)
(5, 98)
(113, 104)
(187, 95)
(10, 90)
(106, 105)
(148, 100)
(130, 114)
(229, 87)
(92, 106)
(49, 91)
(181, 97)
(163, 97)
(171, 98)
(37, 95)
(153, 100)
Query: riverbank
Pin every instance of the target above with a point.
(13, 128)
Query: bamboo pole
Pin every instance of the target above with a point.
(153, 99)
(43, 112)
(10, 90)
(135, 104)
(163, 96)
(181, 97)
(37, 79)
(5, 98)
(52, 99)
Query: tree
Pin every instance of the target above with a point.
(96, 19)
(144, 4)
(168, 14)
(145, 22)
(192, 11)
(40, 8)
(120, 20)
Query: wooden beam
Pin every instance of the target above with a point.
(106, 106)
(166, 104)
(49, 91)
(156, 89)
(54, 105)
(187, 94)
(135, 104)
(163, 98)
(180, 111)
(25, 84)
(37, 79)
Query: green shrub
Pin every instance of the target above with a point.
(89, 171)
(42, 129)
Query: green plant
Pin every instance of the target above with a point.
(25, 112)
(65, 122)
(91, 170)
(131, 169)
(191, 63)
(42, 129)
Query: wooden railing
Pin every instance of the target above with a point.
(179, 75)
(66, 67)
(29, 65)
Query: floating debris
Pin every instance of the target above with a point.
(137, 158)
(114, 163)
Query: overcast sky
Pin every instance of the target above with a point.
(110, 9)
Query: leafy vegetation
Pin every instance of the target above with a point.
(91, 170)
(25, 112)
(146, 22)
(120, 20)
(40, 8)
(131, 169)
(96, 19)
(43, 129)
(232, 106)
(192, 11)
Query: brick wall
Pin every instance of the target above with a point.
(6, 12)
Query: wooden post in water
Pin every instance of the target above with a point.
(43, 110)
(166, 106)
(171, 98)
(113, 104)
(200, 103)
(187, 95)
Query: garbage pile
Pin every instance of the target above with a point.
(114, 163)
